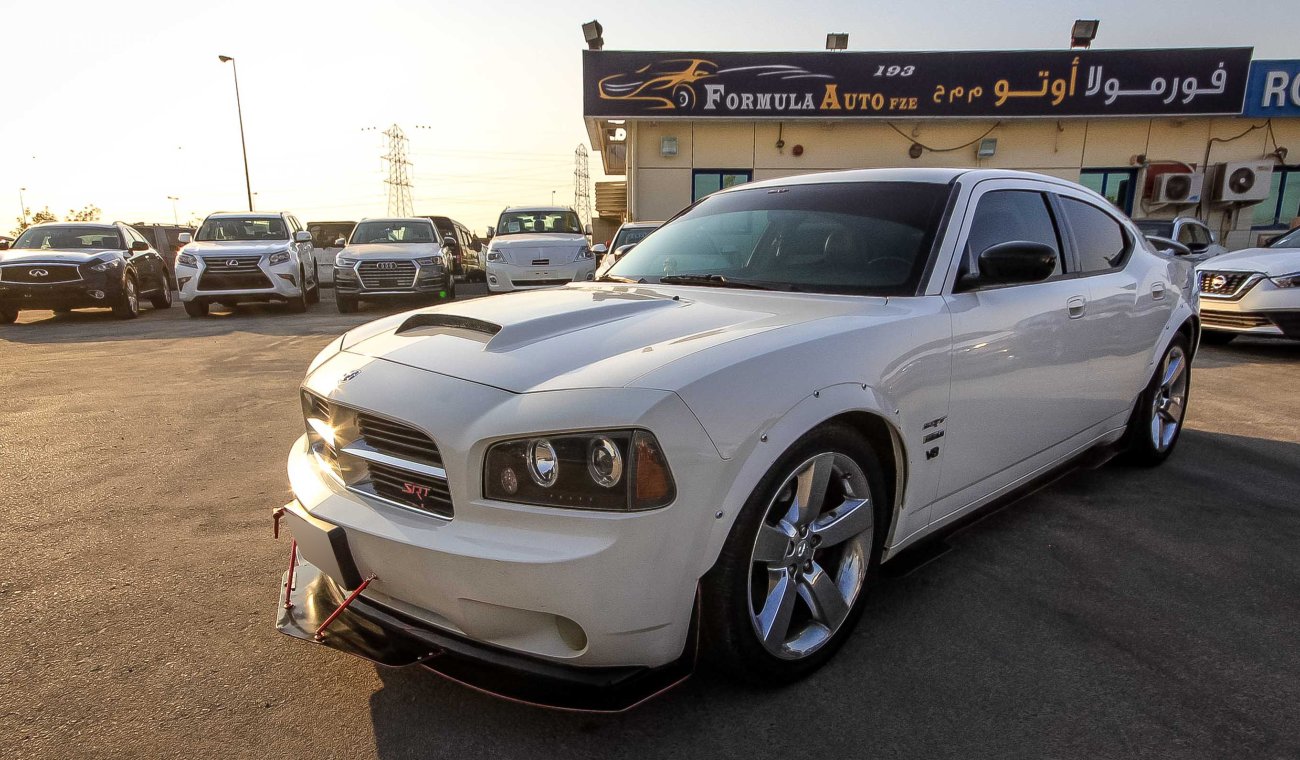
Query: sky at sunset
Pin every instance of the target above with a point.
(123, 104)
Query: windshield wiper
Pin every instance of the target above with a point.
(616, 278)
(712, 281)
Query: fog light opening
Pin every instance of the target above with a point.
(571, 633)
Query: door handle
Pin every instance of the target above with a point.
(1076, 306)
(1158, 291)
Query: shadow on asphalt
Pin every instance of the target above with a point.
(1243, 350)
(1119, 612)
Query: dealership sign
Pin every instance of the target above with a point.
(1274, 89)
(620, 84)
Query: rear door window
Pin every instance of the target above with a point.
(1101, 242)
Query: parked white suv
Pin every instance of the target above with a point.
(240, 257)
(538, 247)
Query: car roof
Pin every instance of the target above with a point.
(537, 208)
(626, 225)
(934, 176)
(423, 219)
(73, 224)
(246, 214)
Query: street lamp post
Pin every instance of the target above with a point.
(248, 185)
(175, 218)
(22, 205)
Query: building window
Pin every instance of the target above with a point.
(1115, 184)
(1283, 203)
(705, 181)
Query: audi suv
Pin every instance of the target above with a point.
(387, 258)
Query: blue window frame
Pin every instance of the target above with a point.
(1117, 185)
(706, 181)
(1283, 202)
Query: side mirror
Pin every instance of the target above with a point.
(1011, 263)
(600, 249)
(1170, 246)
(302, 236)
(185, 238)
(139, 245)
(450, 242)
(491, 232)
(586, 230)
(622, 250)
(340, 242)
(4, 245)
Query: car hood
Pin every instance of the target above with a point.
(585, 336)
(392, 250)
(235, 247)
(1271, 261)
(51, 255)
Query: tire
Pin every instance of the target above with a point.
(345, 304)
(128, 303)
(805, 567)
(451, 289)
(163, 298)
(7, 317)
(1157, 420)
(196, 308)
(298, 304)
(313, 295)
(1217, 338)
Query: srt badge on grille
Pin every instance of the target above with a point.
(414, 489)
(1218, 282)
(38, 273)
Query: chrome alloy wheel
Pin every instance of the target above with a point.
(810, 556)
(132, 297)
(1170, 399)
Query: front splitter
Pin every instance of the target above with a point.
(386, 637)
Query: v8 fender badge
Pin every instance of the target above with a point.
(348, 376)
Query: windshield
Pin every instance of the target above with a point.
(69, 238)
(1289, 240)
(868, 238)
(629, 236)
(517, 222)
(1155, 227)
(243, 228)
(392, 232)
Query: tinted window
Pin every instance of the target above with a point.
(394, 231)
(72, 237)
(1200, 235)
(242, 228)
(1099, 237)
(870, 238)
(1157, 228)
(1006, 215)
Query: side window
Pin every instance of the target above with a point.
(1101, 241)
(1186, 234)
(1006, 215)
(1200, 236)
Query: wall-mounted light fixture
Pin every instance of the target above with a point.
(837, 41)
(668, 147)
(593, 32)
(1083, 33)
(987, 147)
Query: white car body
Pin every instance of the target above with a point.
(968, 395)
(527, 260)
(1246, 292)
(234, 271)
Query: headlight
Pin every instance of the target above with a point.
(617, 470)
(343, 261)
(584, 253)
(430, 261)
(279, 257)
(104, 266)
(1287, 280)
(495, 256)
(188, 260)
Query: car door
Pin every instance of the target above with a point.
(1019, 361)
(1127, 309)
(304, 250)
(147, 263)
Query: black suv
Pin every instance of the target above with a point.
(70, 265)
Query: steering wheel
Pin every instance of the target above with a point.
(890, 268)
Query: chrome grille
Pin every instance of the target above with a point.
(387, 275)
(1239, 320)
(412, 489)
(1224, 284)
(232, 264)
(398, 440)
(40, 274)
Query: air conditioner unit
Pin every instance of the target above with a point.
(1178, 187)
(1243, 181)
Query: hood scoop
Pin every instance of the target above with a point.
(425, 323)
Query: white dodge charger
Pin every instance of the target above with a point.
(571, 495)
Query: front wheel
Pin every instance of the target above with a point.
(791, 580)
(128, 303)
(313, 295)
(298, 304)
(345, 304)
(1157, 421)
(196, 308)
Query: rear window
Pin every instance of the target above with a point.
(1100, 239)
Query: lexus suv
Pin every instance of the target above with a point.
(70, 265)
(385, 258)
(572, 495)
(241, 257)
(1255, 291)
(538, 247)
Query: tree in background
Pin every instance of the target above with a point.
(89, 213)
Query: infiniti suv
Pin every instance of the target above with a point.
(538, 247)
(247, 257)
(392, 257)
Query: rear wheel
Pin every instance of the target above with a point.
(345, 304)
(1216, 338)
(162, 299)
(791, 580)
(128, 303)
(7, 316)
(196, 308)
(1158, 419)
(313, 295)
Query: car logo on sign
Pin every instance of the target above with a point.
(232, 262)
(1219, 282)
(38, 273)
(348, 376)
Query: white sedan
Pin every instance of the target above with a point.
(566, 496)
(1255, 291)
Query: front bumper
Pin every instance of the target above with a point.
(386, 636)
(275, 283)
(504, 277)
(427, 280)
(77, 294)
(1263, 309)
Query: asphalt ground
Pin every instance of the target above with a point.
(1116, 613)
